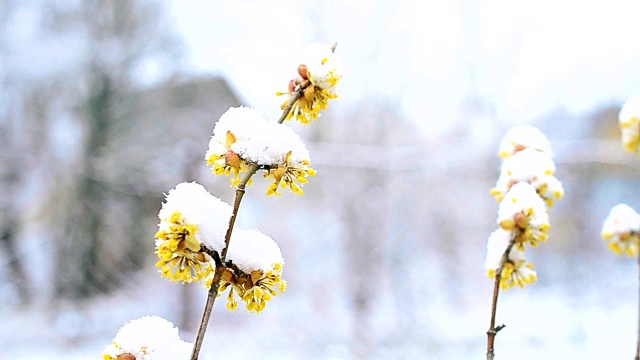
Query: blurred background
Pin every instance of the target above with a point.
(106, 105)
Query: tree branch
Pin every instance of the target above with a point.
(493, 329)
(240, 190)
(638, 341)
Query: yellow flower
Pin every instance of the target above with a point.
(523, 213)
(621, 230)
(515, 269)
(223, 160)
(286, 175)
(179, 250)
(307, 108)
(515, 272)
(322, 70)
(629, 122)
(254, 289)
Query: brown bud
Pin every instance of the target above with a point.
(256, 275)
(232, 159)
(200, 257)
(292, 86)
(521, 220)
(303, 72)
(227, 275)
(126, 356)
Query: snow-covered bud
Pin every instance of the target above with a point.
(621, 230)
(523, 212)
(531, 166)
(523, 137)
(515, 270)
(629, 121)
(147, 338)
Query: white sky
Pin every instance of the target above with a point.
(522, 58)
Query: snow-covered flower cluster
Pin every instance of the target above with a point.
(320, 66)
(196, 238)
(193, 225)
(629, 121)
(525, 188)
(527, 157)
(189, 218)
(516, 271)
(523, 137)
(243, 137)
(524, 213)
(147, 338)
(621, 230)
(253, 272)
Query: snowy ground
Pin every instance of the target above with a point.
(542, 323)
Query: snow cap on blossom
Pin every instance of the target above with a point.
(318, 65)
(252, 250)
(524, 137)
(496, 246)
(534, 167)
(147, 338)
(255, 275)
(243, 137)
(621, 229)
(629, 122)
(189, 218)
(523, 212)
(516, 270)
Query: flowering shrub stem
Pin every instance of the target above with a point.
(493, 330)
(240, 190)
(213, 290)
(638, 342)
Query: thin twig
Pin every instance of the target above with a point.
(638, 342)
(493, 329)
(240, 190)
(213, 290)
(294, 97)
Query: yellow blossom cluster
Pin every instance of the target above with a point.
(243, 138)
(525, 188)
(255, 288)
(629, 122)
(527, 227)
(515, 273)
(313, 100)
(179, 251)
(285, 175)
(227, 162)
(621, 230)
(320, 73)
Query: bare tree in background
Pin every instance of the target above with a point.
(22, 139)
(103, 239)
